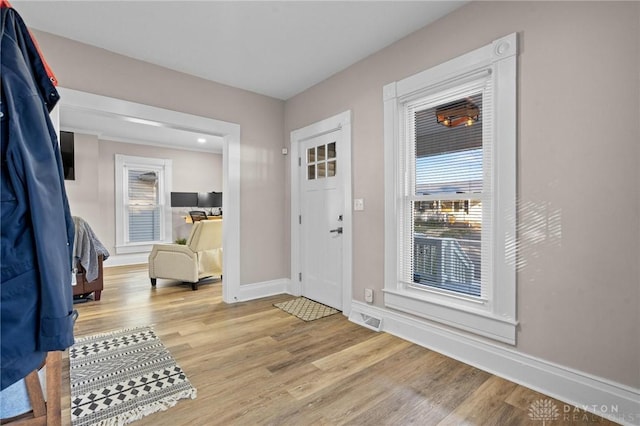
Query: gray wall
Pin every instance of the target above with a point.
(578, 162)
(90, 69)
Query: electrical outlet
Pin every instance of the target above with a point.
(358, 204)
(368, 295)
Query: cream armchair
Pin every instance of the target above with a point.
(201, 257)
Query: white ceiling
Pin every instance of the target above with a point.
(278, 49)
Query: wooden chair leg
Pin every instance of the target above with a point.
(49, 413)
(34, 390)
(54, 388)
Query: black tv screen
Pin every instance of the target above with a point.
(184, 199)
(67, 153)
(209, 199)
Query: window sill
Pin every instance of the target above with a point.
(481, 323)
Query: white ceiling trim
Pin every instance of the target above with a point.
(110, 118)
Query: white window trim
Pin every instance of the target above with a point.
(164, 169)
(496, 317)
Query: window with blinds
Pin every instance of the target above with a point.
(142, 212)
(450, 192)
(143, 206)
(444, 209)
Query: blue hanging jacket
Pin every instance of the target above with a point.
(36, 306)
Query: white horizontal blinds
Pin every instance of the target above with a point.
(445, 205)
(144, 210)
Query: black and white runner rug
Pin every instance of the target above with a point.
(122, 376)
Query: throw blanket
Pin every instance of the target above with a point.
(87, 247)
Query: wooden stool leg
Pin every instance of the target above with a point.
(54, 385)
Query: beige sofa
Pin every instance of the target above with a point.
(201, 257)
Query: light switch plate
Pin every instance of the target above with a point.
(358, 204)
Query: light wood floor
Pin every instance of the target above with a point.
(254, 364)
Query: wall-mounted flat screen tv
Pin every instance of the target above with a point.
(209, 199)
(184, 199)
(67, 152)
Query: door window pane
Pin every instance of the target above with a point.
(322, 167)
(331, 150)
(331, 168)
(321, 161)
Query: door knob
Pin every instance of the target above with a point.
(337, 230)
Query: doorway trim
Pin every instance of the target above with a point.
(340, 122)
(230, 134)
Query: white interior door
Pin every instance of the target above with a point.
(321, 218)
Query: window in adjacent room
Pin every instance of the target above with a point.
(450, 192)
(143, 214)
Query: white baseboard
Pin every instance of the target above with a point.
(615, 401)
(263, 289)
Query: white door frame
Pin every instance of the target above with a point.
(341, 122)
(230, 132)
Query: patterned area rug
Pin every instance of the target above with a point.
(306, 309)
(122, 376)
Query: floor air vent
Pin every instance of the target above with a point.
(366, 320)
